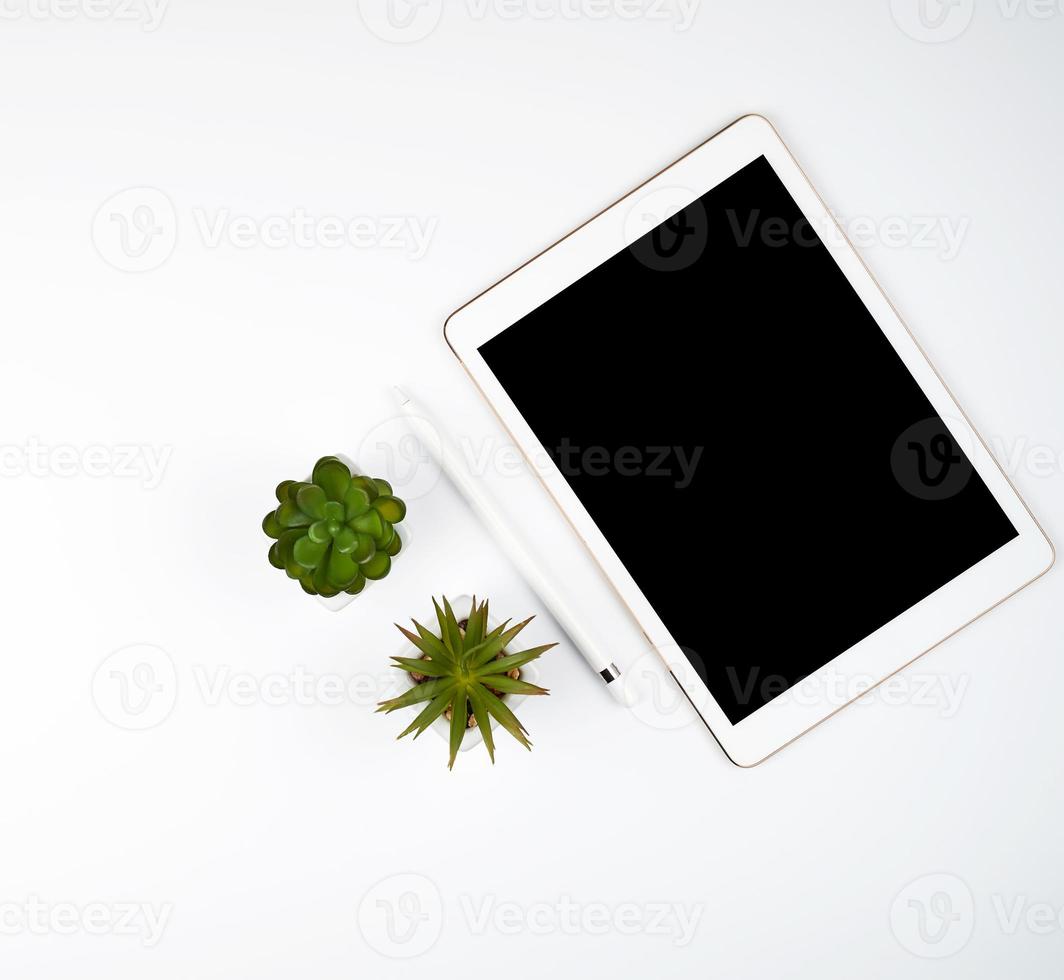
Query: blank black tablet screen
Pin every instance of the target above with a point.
(748, 441)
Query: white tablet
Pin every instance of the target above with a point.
(749, 441)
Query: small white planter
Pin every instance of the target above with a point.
(473, 736)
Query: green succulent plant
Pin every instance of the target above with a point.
(335, 532)
(466, 672)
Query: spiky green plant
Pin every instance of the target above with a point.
(467, 670)
(335, 532)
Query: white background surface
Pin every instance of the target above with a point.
(259, 830)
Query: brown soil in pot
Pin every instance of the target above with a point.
(449, 713)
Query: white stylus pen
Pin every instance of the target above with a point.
(435, 442)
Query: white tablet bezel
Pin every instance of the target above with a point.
(893, 646)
